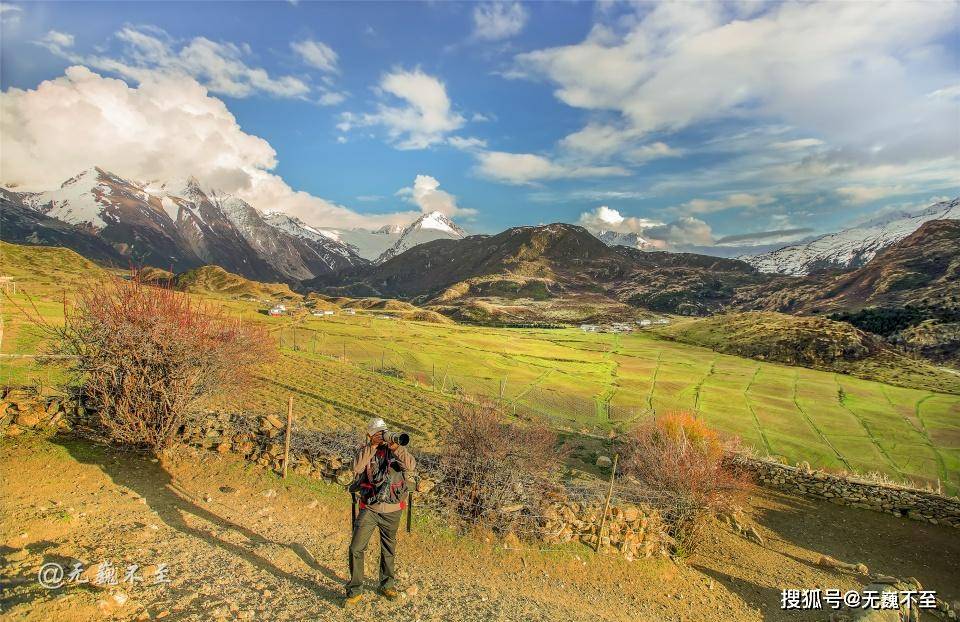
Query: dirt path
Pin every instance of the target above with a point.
(241, 544)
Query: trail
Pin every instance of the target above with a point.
(756, 420)
(866, 428)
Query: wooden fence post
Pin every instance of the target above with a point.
(606, 504)
(286, 439)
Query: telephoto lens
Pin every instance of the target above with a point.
(392, 437)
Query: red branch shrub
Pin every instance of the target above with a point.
(681, 458)
(143, 356)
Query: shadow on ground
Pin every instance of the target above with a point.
(150, 480)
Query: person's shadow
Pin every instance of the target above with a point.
(151, 481)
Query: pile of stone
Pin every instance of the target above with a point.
(25, 409)
(631, 530)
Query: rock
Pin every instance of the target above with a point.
(269, 494)
(604, 462)
(274, 421)
(411, 591)
(29, 418)
(228, 489)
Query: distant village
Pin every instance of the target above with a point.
(623, 327)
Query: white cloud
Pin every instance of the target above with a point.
(466, 143)
(731, 201)
(652, 151)
(526, 168)
(798, 144)
(427, 195)
(317, 54)
(683, 232)
(607, 218)
(219, 66)
(165, 129)
(873, 77)
(866, 194)
(57, 39)
(423, 119)
(10, 14)
(493, 21)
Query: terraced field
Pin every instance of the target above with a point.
(342, 369)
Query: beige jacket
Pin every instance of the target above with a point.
(365, 455)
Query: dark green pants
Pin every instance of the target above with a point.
(363, 527)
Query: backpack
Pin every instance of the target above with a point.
(388, 483)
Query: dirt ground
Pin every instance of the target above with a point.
(240, 543)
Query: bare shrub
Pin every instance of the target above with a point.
(682, 459)
(489, 467)
(143, 355)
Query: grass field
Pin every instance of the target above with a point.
(342, 369)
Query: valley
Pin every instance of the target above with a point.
(381, 360)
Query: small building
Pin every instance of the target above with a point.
(349, 312)
(589, 328)
(645, 322)
(328, 312)
(277, 310)
(317, 314)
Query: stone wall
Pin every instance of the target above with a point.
(909, 503)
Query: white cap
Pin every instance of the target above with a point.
(376, 425)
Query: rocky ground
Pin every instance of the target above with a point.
(239, 543)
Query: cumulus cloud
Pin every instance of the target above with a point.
(423, 117)
(527, 168)
(683, 232)
(317, 54)
(220, 66)
(493, 21)
(426, 194)
(609, 219)
(167, 128)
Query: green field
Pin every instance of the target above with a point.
(344, 368)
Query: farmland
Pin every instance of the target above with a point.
(344, 368)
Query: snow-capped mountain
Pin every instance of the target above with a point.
(429, 227)
(364, 242)
(176, 225)
(617, 238)
(853, 247)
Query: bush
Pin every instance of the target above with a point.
(142, 356)
(681, 459)
(487, 465)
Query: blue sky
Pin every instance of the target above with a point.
(688, 123)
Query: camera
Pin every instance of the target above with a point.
(392, 437)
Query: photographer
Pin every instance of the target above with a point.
(380, 467)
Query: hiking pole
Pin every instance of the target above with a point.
(353, 509)
(409, 509)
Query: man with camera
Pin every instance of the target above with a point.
(380, 467)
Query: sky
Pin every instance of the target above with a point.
(724, 127)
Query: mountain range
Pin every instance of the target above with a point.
(852, 247)
(180, 225)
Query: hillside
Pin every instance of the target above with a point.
(32, 265)
(814, 342)
(550, 273)
(921, 269)
(214, 280)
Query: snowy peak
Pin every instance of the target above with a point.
(390, 230)
(427, 228)
(852, 247)
(437, 221)
(618, 238)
